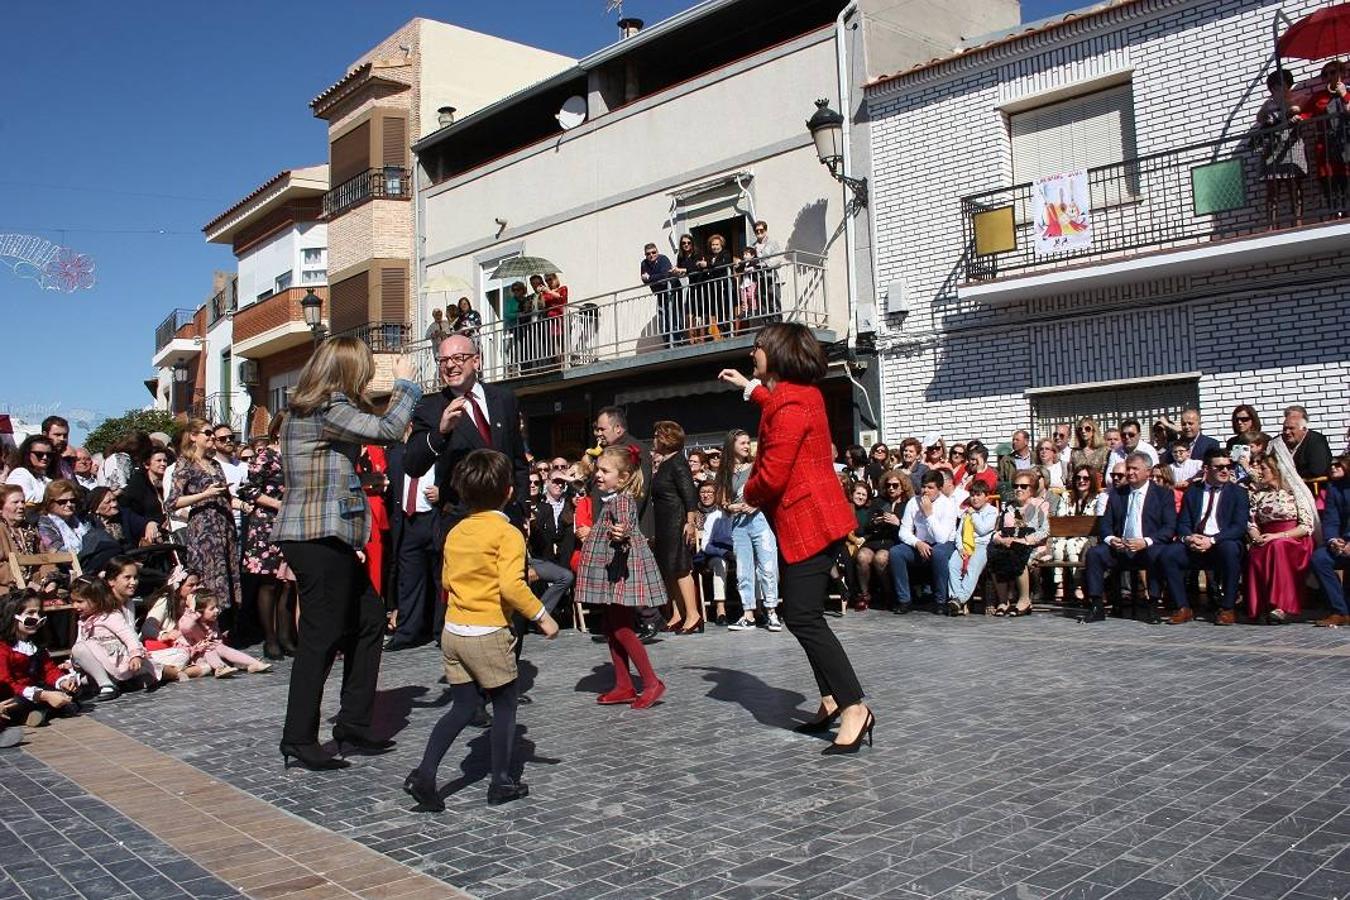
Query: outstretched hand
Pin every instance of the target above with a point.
(734, 378)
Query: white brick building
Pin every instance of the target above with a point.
(1172, 304)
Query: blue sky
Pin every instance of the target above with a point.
(130, 124)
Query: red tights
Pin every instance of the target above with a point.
(624, 646)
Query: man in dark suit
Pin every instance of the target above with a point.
(611, 427)
(414, 530)
(1335, 552)
(1210, 531)
(464, 415)
(1200, 443)
(1139, 523)
(1312, 453)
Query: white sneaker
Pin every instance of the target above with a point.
(744, 623)
(775, 623)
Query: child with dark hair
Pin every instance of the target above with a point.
(484, 575)
(107, 648)
(200, 634)
(27, 672)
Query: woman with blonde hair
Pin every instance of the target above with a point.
(323, 521)
(201, 490)
(1089, 446)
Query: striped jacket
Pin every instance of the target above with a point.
(318, 462)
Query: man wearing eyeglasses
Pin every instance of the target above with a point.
(1211, 528)
(1131, 442)
(1140, 521)
(463, 416)
(225, 445)
(656, 274)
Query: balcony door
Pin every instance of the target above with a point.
(492, 294)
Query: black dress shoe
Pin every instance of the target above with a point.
(310, 756)
(273, 653)
(900, 609)
(1096, 613)
(481, 719)
(423, 790)
(395, 644)
(647, 634)
(505, 793)
(362, 744)
(524, 700)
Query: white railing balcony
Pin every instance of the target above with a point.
(646, 325)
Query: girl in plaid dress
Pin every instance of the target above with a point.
(619, 572)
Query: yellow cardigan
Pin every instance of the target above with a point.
(484, 572)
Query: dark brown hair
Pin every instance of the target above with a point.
(483, 480)
(792, 352)
(667, 436)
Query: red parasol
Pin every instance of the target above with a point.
(1324, 33)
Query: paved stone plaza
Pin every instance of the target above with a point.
(1015, 758)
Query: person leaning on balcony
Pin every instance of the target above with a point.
(1329, 110)
(1334, 553)
(438, 327)
(466, 321)
(656, 271)
(553, 298)
(515, 306)
(770, 256)
(1312, 454)
(721, 284)
(687, 268)
(1283, 161)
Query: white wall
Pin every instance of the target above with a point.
(963, 368)
(260, 265)
(590, 202)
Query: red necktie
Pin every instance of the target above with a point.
(410, 505)
(481, 420)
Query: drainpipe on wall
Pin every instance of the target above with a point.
(419, 253)
(850, 226)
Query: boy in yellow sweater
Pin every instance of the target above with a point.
(484, 575)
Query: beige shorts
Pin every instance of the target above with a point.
(488, 660)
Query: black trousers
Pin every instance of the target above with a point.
(418, 584)
(339, 610)
(805, 586)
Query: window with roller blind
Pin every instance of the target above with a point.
(1084, 132)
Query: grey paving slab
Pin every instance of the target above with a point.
(1024, 758)
(56, 841)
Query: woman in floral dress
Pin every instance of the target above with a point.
(199, 488)
(1283, 525)
(262, 558)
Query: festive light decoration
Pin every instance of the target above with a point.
(53, 267)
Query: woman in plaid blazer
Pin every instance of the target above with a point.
(323, 522)
(793, 482)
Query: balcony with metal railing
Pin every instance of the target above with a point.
(387, 183)
(1184, 209)
(649, 325)
(165, 331)
(175, 339)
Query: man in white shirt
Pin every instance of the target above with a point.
(225, 444)
(927, 541)
(1061, 436)
(1131, 442)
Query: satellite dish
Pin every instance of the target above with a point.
(573, 112)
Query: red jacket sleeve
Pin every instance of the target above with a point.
(9, 685)
(780, 440)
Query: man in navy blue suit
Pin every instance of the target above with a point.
(414, 537)
(1335, 552)
(1139, 523)
(1210, 531)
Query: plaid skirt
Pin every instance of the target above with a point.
(625, 573)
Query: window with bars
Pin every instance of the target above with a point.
(1146, 402)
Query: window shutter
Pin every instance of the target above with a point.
(393, 295)
(394, 139)
(349, 305)
(1093, 130)
(349, 155)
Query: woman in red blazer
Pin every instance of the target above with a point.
(793, 482)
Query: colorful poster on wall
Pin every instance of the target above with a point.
(1061, 205)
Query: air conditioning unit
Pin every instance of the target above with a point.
(249, 374)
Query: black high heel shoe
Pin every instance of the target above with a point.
(819, 726)
(854, 745)
(273, 653)
(310, 756)
(361, 743)
(697, 629)
(423, 791)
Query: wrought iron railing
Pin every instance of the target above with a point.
(1175, 198)
(222, 304)
(681, 316)
(381, 337)
(175, 320)
(388, 183)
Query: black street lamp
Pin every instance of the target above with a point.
(827, 130)
(312, 306)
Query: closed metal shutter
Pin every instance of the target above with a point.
(1146, 402)
(394, 142)
(350, 303)
(393, 295)
(349, 155)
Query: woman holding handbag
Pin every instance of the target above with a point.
(792, 480)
